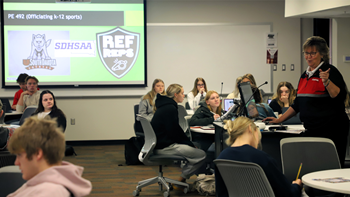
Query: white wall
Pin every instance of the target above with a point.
(341, 46)
(299, 7)
(307, 25)
(112, 118)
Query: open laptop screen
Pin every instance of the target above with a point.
(227, 104)
(248, 101)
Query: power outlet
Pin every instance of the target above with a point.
(283, 67)
(292, 67)
(274, 67)
(72, 121)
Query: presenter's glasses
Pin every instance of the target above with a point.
(312, 54)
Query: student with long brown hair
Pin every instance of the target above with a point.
(209, 110)
(198, 92)
(284, 97)
(147, 101)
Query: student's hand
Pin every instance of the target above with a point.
(271, 120)
(26, 93)
(201, 91)
(216, 116)
(284, 99)
(298, 182)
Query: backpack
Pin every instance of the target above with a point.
(205, 185)
(69, 151)
(132, 149)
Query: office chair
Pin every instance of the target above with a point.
(182, 121)
(10, 180)
(147, 157)
(137, 125)
(311, 152)
(6, 158)
(27, 113)
(187, 105)
(244, 179)
(2, 118)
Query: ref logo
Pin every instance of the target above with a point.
(118, 50)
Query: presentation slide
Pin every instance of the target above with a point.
(74, 44)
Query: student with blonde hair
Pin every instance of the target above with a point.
(147, 101)
(171, 139)
(235, 94)
(198, 92)
(39, 146)
(209, 110)
(244, 139)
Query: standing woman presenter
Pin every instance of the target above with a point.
(198, 93)
(321, 98)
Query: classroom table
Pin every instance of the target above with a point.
(270, 141)
(342, 187)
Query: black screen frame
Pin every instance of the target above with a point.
(82, 86)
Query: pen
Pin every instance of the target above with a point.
(301, 164)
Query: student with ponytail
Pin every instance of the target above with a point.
(244, 139)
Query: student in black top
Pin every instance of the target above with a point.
(171, 139)
(321, 98)
(244, 138)
(209, 110)
(47, 106)
(284, 97)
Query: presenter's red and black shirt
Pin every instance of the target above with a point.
(317, 109)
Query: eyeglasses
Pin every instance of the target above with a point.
(200, 84)
(312, 54)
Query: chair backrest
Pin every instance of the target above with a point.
(187, 105)
(6, 102)
(150, 140)
(2, 118)
(27, 112)
(137, 125)
(10, 182)
(182, 121)
(244, 179)
(315, 154)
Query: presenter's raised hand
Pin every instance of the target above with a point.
(324, 75)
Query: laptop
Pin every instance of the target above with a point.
(227, 104)
(6, 105)
(269, 101)
(293, 120)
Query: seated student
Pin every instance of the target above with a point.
(39, 146)
(198, 93)
(235, 94)
(284, 97)
(243, 141)
(146, 104)
(21, 82)
(248, 77)
(171, 139)
(30, 96)
(263, 108)
(47, 106)
(209, 110)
